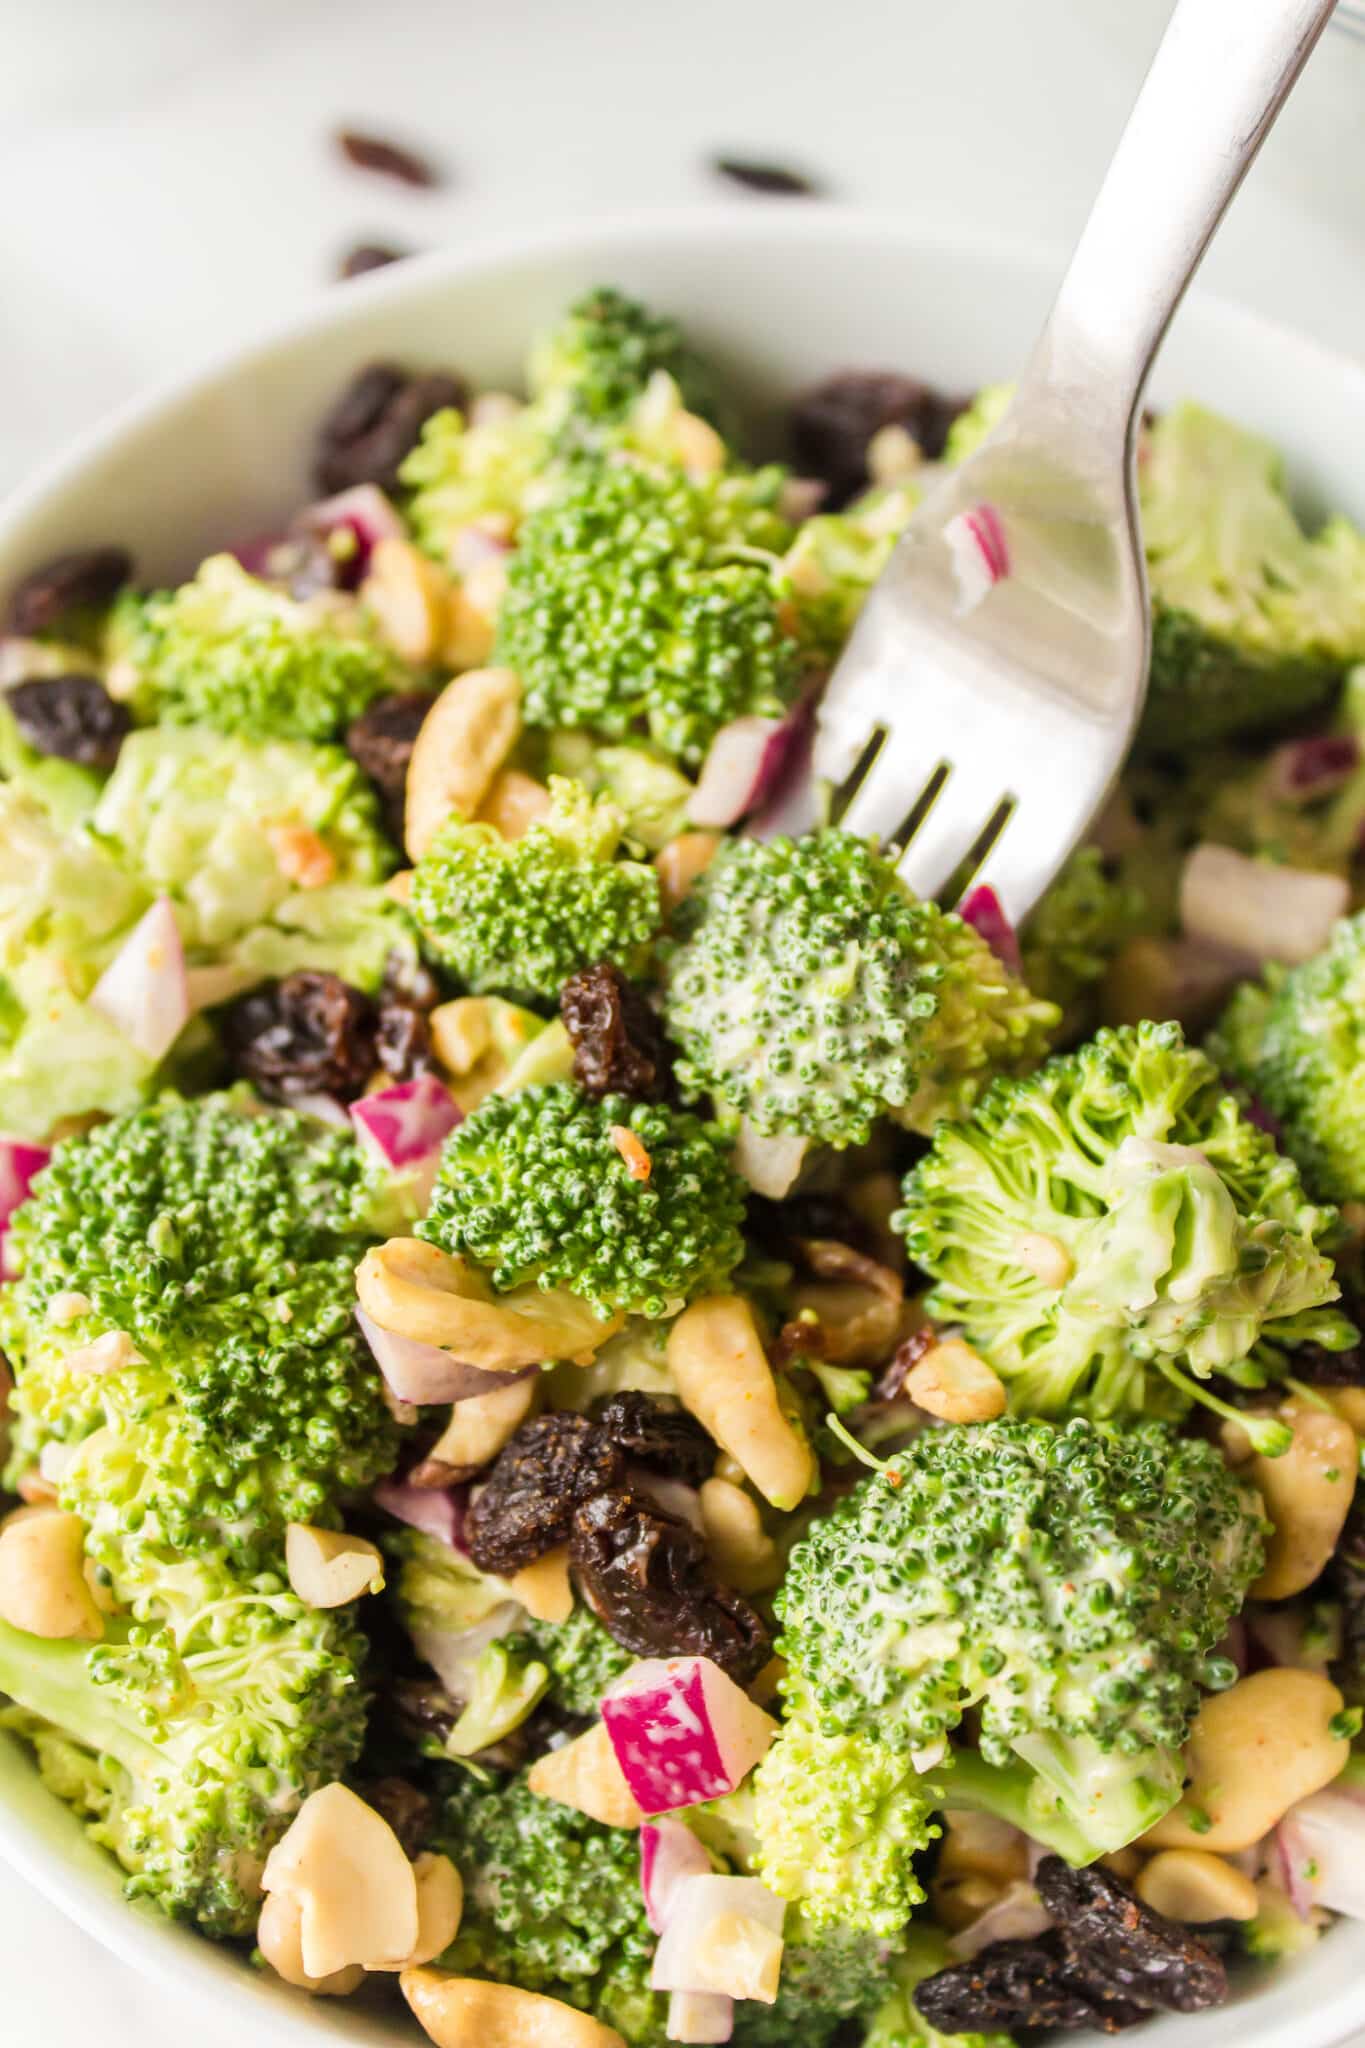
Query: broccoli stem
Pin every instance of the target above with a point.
(1014, 1793)
(1109, 1797)
(53, 1679)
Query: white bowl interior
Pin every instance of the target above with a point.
(779, 298)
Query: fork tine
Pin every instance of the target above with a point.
(965, 806)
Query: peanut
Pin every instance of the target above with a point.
(355, 1888)
(466, 2012)
(419, 1291)
(328, 1568)
(680, 862)
(1307, 1494)
(543, 1588)
(1254, 1752)
(279, 1937)
(479, 1427)
(740, 1548)
(465, 738)
(514, 803)
(43, 1588)
(951, 1382)
(409, 597)
(1195, 1886)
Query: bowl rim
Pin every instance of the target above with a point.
(50, 1858)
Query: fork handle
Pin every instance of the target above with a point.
(1219, 78)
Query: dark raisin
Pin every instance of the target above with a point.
(403, 1040)
(829, 1259)
(1124, 1948)
(1015, 1984)
(380, 742)
(780, 1226)
(778, 180)
(309, 1034)
(667, 1440)
(1331, 1368)
(364, 257)
(618, 1042)
(378, 420)
(907, 1357)
(1346, 1574)
(541, 1476)
(646, 1577)
(72, 716)
(407, 1811)
(389, 159)
(87, 579)
(834, 421)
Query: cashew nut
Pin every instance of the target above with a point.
(958, 1901)
(1307, 1494)
(479, 1427)
(544, 1588)
(328, 1567)
(979, 1845)
(723, 1378)
(514, 803)
(461, 1032)
(440, 1908)
(417, 1290)
(43, 1588)
(680, 862)
(279, 1937)
(472, 614)
(1194, 1886)
(1254, 1752)
(951, 1382)
(409, 597)
(584, 1774)
(466, 2012)
(465, 737)
(740, 1548)
(356, 1890)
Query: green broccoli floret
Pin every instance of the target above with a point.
(1298, 1043)
(831, 1979)
(838, 556)
(188, 1738)
(639, 598)
(231, 651)
(218, 1248)
(899, 2023)
(581, 1658)
(811, 992)
(520, 916)
(483, 473)
(592, 366)
(534, 1187)
(1113, 1225)
(1077, 928)
(1066, 1585)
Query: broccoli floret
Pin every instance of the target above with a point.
(811, 992)
(640, 597)
(231, 651)
(192, 1733)
(592, 366)
(838, 556)
(1068, 1585)
(1255, 621)
(221, 1247)
(1113, 1225)
(830, 1980)
(582, 1659)
(899, 2023)
(631, 1205)
(1298, 1043)
(520, 916)
(1078, 927)
(464, 474)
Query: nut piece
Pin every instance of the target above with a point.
(1195, 1887)
(279, 1937)
(479, 1427)
(327, 1567)
(43, 1589)
(738, 1955)
(585, 1775)
(514, 803)
(739, 1546)
(723, 1377)
(409, 597)
(472, 614)
(461, 1032)
(1307, 1494)
(440, 1907)
(951, 1382)
(979, 1845)
(680, 862)
(1254, 1752)
(465, 2012)
(355, 1887)
(465, 738)
(417, 1290)
(544, 1588)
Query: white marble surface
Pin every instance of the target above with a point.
(168, 188)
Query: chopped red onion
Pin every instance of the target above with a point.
(404, 1126)
(20, 1161)
(143, 991)
(742, 766)
(1250, 907)
(363, 509)
(683, 1732)
(982, 909)
(437, 1512)
(979, 553)
(669, 1852)
(423, 1373)
(1304, 770)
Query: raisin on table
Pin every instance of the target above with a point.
(1123, 1946)
(72, 717)
(86, 579)
(309, 1034)
(618, 1042)
(667, 1440)
(646, 1577)
(541, 1476)
(376, 422)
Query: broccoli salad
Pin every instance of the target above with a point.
(611, 1427)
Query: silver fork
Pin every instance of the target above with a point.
(977, 719)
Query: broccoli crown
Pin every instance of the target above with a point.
(1078, 927)
(831, 1978)
(1298, 1043)
(838, 556)
(898, 2022)
(537, 1186)
(192, 1733)
(641, 598)
(581, 1658)
(520, 916)
(231, 651)
(595, 362)
(1113, 1220)
(222, 1246)
(1068, 1584)
(1254, 619)
(480, 473)
(809, 990)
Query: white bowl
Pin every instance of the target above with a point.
(779, 296)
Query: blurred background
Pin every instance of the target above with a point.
(172, 182)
